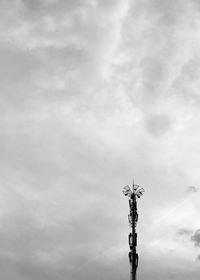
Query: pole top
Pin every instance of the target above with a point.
(136, 192)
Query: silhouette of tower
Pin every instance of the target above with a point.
(133, 218)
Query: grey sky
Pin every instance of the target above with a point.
(92, 94)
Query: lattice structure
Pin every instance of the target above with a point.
(132, 219)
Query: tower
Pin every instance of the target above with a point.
(133, 194)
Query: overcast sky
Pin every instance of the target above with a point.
(94, 93)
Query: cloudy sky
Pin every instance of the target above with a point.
(94, 93)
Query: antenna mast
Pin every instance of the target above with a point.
(133, 194)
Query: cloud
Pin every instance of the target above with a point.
(183, 235)
(67, 50)
(158, 124)
(92, 94)
(196, 238)
(184, 231)
(192, 189)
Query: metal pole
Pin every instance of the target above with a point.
(133, 218)
(133, 263)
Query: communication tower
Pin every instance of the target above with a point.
(133, 194)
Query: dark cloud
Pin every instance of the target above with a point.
(196, 238)
(188, 75)
(170, 11)
(192, 189)
(39, 8)
(158, 124)
(184, 231)
(152, 76)
(196, 3)
(183, 235)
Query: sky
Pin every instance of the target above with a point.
(94, 94)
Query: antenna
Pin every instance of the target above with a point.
(137, 192)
